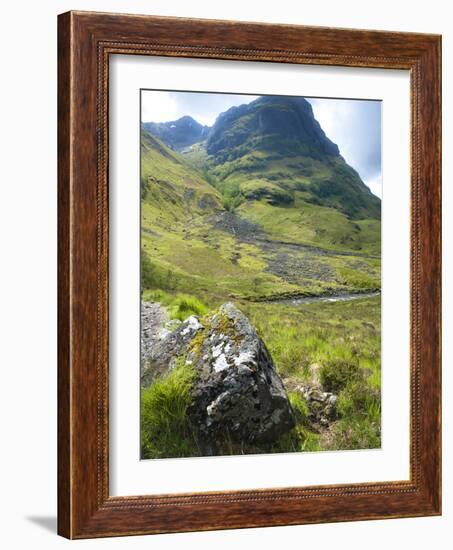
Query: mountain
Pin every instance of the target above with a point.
(275, 148)
(271, 123)
(171, 190)
(261, 204)
(178, 134)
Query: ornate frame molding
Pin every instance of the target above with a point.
(86, 40)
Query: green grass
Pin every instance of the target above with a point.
(312, 224)
(172, 191)
(359, 280)
(322, 333)
(179, 306)
(342, 338)
(184, 305)
(209, 262)
(359, 426)
(165, 428)
(191, 267)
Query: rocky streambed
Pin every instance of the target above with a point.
(338, 297)
(295, 299)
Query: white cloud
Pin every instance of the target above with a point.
(159, 107)
(355, 126)
(375, 185)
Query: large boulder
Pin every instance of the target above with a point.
(237, 392)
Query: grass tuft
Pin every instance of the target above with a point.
(179, 306)
(165, 428)
(184, 305)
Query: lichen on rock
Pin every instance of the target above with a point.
(237, 390)
(237, 393)
(163, 354)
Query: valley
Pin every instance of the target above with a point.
(262, 211)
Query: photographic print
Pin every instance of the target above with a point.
(221, 340)
(260, 274)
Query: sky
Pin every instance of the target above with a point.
(354, 125)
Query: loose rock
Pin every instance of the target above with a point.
(165, 349)
(153, 318)
(321, 405)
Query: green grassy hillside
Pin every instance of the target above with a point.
(261, 211)
(265, 207)
(194, 240)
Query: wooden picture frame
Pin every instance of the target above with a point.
(85, 41)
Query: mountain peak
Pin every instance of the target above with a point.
(271, 150)
(269, 123)
(178, 134)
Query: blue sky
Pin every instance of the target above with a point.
(354, 125)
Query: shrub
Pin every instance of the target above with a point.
(336, 374)
(232, 195)
(147, 271)
(359, 408)
(165, 428)
(359, 397)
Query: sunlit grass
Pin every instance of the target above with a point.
(179, 306)
(165, 427)
(191, 267)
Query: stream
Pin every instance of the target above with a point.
(345, 297)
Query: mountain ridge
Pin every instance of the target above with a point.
(282, 116)
(276, 127)
(267, 221)
(180, 133)
(273, 148)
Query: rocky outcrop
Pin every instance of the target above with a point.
(237, 392)
(321, 404)
(287, 119)
(172, 341)
(153, 317)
